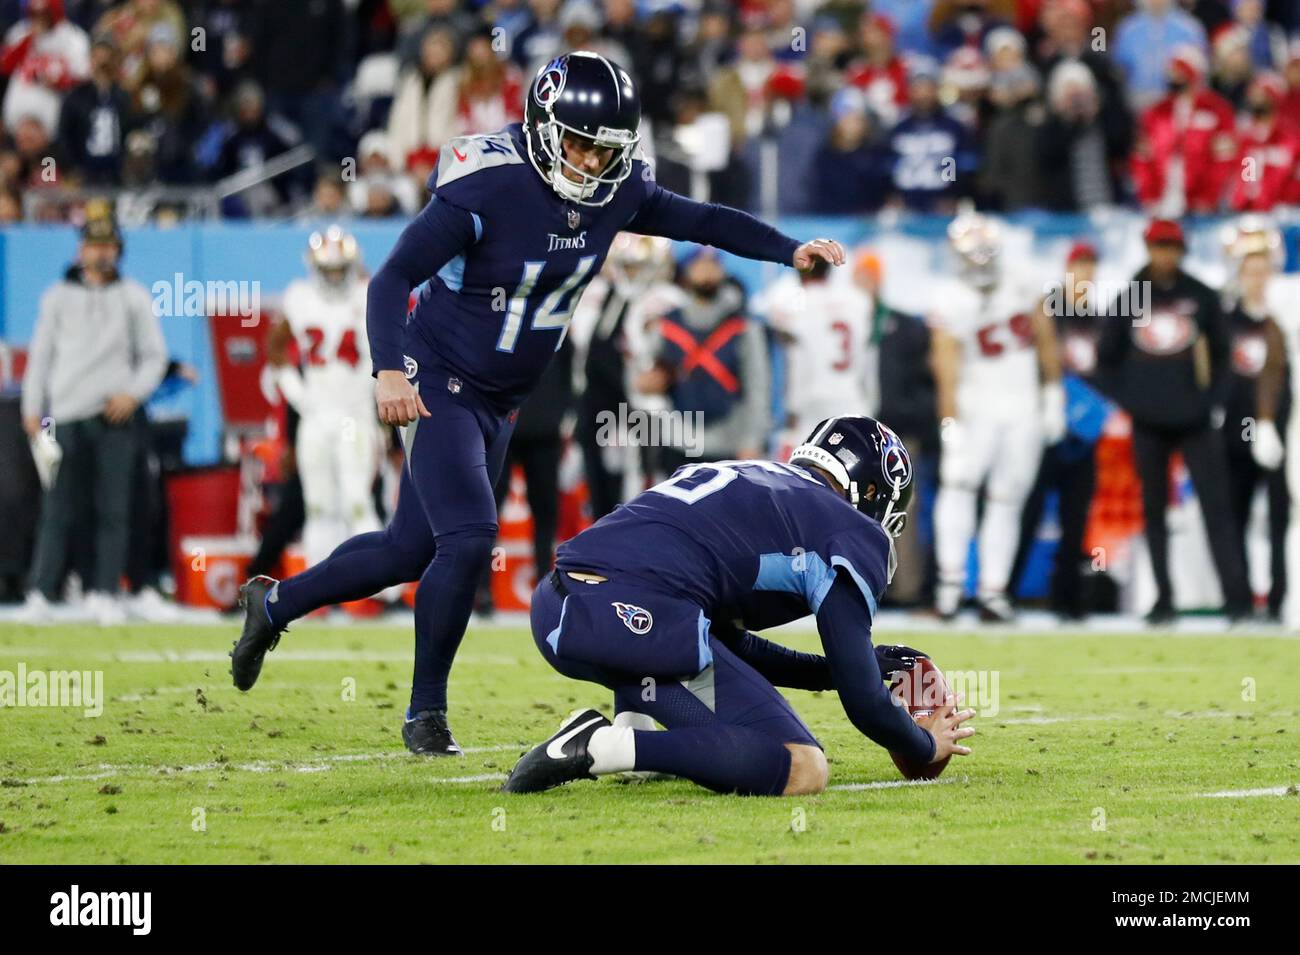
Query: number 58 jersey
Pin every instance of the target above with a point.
(756, 541)
(998, 374)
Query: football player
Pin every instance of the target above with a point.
(825, 327)
(1282, 302)
(998, 382)
(519, 222)
(723, 549)
(338, 442)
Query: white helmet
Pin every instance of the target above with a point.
(977, 241)
(333, 255)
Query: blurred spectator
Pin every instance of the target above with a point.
(828, 53)
(225, 58)
(490, 92)
(424, 110)
(131, 24)
(713, 362)
(376, 176)
(445, 15)
(786, 38)
(168, 107)
(1187, 145)
(33, 160)
(300, 54)
(930, 152)
(95, 119)
(1067, 36)
(850, 174)
(958, 23)
(1290, 105)
(1231, 68)
(880, 72)
(580, 24)
(741, 89)
(710, 50)
(256, 137)
(911, 19)
(1011, 171)
(84, 382)
(11, 206)
(695, 155)
(328, 198)
(660, 65)
(1082, 157)
(540, 41)
(1145, 42)
(1265, 41)
(1268, 165)
(44, 56)
(965, 82)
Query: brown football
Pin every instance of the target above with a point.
(922, 690)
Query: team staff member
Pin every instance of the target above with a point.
(1165, 362)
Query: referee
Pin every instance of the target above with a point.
(1163, 357)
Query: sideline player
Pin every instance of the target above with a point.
(723, 549)
(998, 378)
(338, 442)
(519, 223)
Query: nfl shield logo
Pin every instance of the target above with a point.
(574, 218)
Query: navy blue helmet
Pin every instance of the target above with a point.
(868, 461)
(588, 96)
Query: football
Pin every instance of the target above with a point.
(922, 690)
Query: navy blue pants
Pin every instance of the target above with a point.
(441, 534)
(599, 633)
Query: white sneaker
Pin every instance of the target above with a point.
(105, 609)
(152, 606)
(947, 600)
(35, 609)
(996, 608)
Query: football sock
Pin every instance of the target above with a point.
(359, 567)
(612, 750)
(721, 757)
(443, 604)
(999, 536)
(954, 525)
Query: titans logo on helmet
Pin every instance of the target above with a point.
(637, 619)
(895, 462)
(550, 84)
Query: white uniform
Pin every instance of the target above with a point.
(1283, 297)
(338, 444)
(998, 423)
(831, 366)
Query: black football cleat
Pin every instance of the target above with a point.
(259, 636)
(427, 734)
(561, 759)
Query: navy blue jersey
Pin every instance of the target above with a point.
(507, 259)
(750, 540)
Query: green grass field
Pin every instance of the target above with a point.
(1102, 750)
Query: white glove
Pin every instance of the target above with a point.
(289, 380)
(1053, 411)
(1267, 449)
(47, 454)
(952, 450)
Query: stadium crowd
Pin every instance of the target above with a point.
(914, 104)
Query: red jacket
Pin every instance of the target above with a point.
(1208, 145)
(1269, 164)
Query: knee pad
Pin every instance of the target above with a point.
(469, 547)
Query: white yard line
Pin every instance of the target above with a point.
(1246, 793)
(322, 764)
(893, 784)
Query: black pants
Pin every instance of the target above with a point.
(1244, 476)
(540, 459)
(604, 485)
(283, 525)
(1207, 462)
(1072, 473)
(94, 480)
